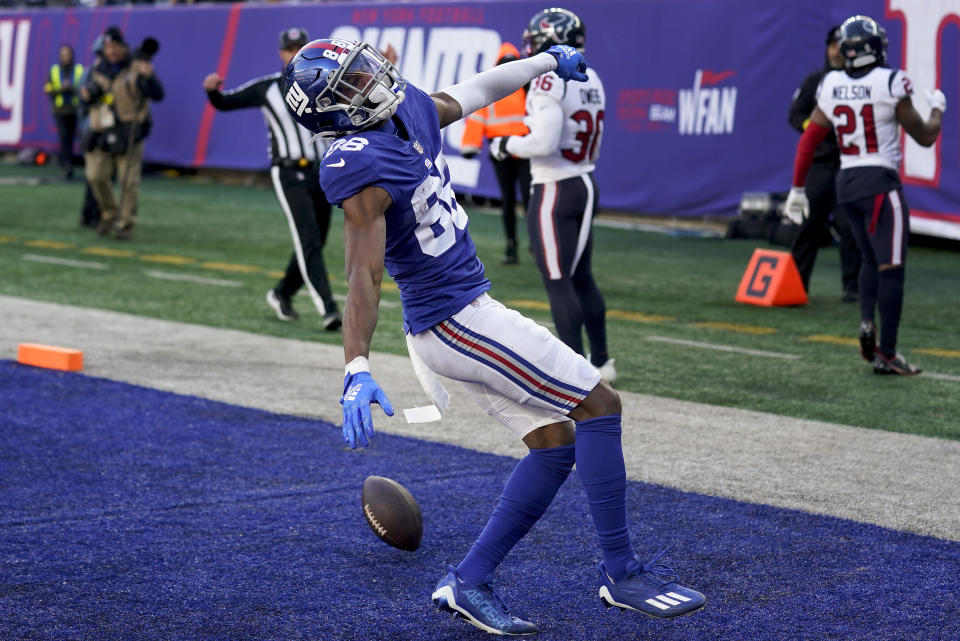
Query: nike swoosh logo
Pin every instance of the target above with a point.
(336, 164)
(710, 78)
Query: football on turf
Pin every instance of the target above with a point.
(392, 512)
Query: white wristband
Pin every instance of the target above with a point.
(359, 364)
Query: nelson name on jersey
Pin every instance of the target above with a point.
(851, 92)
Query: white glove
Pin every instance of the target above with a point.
(936, 99)
(797, 207)
(498, 148)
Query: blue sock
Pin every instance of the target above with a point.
(604, 477)
(526, 496)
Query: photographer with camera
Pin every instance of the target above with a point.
(118, 91)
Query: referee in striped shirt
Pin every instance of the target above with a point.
(294, 166)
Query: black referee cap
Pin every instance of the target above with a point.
(293, 37)
(834, 35)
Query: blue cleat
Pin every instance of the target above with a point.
(650, 588)
(479, 605)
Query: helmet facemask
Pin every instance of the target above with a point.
(366, 87)
(361, 90)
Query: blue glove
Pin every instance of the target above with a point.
(359, 391)
(570, 62)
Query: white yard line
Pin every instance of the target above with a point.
(940, 377)
(18, 181)
(189, 278)
(66, 262)
(722, 348)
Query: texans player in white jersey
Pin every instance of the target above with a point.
(387, 170)
(866, 103)
(566, 126)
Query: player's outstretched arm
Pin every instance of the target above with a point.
(493, 84)
(925, 132)
(365, 233)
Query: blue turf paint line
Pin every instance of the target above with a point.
(132, 513)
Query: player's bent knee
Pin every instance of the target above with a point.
(602, 400)
(549, 436)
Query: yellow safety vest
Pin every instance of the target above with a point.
(56, 83)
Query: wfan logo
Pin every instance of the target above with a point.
(707, 109)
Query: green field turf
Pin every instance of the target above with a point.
(658, 286)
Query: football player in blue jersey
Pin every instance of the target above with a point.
(387, 171)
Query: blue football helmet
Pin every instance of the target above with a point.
(553, 27)
(336, 87)
(863, 42)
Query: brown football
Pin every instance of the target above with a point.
(392, 513)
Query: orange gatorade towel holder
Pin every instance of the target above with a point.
(771, 279)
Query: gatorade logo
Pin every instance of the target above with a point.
(762, 276)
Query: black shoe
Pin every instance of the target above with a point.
(281, 305)
(510, 256)
(124, 233)
(896, 365)
(332, 321)
(868, 340)
(849, 296)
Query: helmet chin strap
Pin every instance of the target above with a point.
(381, 95)
(322, 135)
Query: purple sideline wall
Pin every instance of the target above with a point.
(697, 90)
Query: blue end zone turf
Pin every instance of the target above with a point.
(128, 513)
